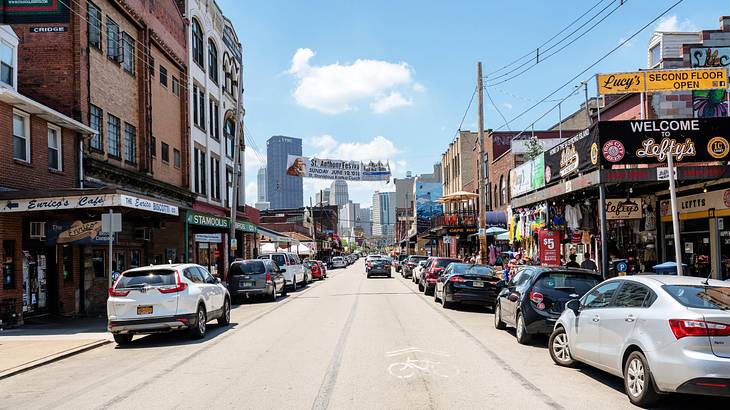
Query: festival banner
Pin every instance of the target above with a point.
(576, 154)
(306, 167)
(650, 141)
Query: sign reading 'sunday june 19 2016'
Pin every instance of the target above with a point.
(651, 141)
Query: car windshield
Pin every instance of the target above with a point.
(337, 259)
(248, 268)
(416, 259)
(279, 259)
(442, 263)
(572, 282)
(701, 297)
(147, 277)
(482, 270)
(459, 268)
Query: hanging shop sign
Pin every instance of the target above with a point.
(521, 179)
(538, 171)
(714, 78)
(624, 208)
(209, 237)
(650, 141)
(461, 230)
(718, 200)
(128, 201)
(306, 167)
(549, 242)
(201, 219)
(577, 154)
(57, 203)
(76, 232)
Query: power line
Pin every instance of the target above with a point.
(606, 55)
(510, 76)
(532, 52)
(496, 107)
(466, 112)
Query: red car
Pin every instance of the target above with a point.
(319, 271)
(429, 274)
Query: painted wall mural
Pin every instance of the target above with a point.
(710, 103)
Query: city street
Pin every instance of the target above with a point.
(345, 342)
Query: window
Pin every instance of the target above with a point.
(215, 178)
(153, 146)
(112, 40)
(163, 75)
(94, 26)
(113, 126)
(229, 131)
(229, 186)
(601, 296)
(176, 157)
(199, 107)
(632, 295)
(96, 123)
(175, 86)
(199, 171)
(6, 63)
(198, 44)
(502, 191)
(165, 152)
(213, 113)
(193, 275)
(655, 53)
(54, 148)
(130, 143)
(21, 137)
(128, 50)
(212, 61)
(201, 103)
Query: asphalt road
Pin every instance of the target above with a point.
(345, 342)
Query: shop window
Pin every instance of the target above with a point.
(135, 258)
(8, 260)
(98, 263)
(37, 230)
(68, 263)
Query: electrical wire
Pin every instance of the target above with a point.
(496, 107)
(466, 112)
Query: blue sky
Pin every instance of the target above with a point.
(391, 80)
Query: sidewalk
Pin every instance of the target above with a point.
(33, 345)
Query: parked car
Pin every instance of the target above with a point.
(410, 264)
(429, 274)
(379, 266)
(416, 275)
(295, 273)
(316, 268)
(162, 298)
(535, 297)
(662, 334)
(467, 283)
(398, 263)
(256, 277)
(338, 262)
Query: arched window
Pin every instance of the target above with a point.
(227, 73)
(212, 61)
(503, 191)
(228, 130)
(198, 56)
(496, 196)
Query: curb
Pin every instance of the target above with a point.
(52, 358)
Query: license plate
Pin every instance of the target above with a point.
(144, 310)
(477, 284)
(246, 284)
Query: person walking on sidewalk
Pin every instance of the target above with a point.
(588, 263)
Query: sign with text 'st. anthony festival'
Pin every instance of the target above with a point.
(651, 141)
(307, 167)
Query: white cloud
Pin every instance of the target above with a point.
(390, 101)
(418, 87)
(336, 88)
(251, 191)
(672, 23)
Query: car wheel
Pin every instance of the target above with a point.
(444, 303)
(523, 337)
(420, 286)
(123, 339)
(427, 291)
(638, 382)
(225, 318)
(435, 295)
(273, 293)
(294, 283)
(198, 331)
(283, 290)
(559, 349)
(498, 323)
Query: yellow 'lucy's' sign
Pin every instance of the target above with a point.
(621, 83)
(686, 80)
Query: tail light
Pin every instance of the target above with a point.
(457, 279)
(536, 297)
(268, 277)
(117, 293)
(177, 287)
(691, 327)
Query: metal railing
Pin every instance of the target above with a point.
(458, 218)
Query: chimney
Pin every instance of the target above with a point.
(725, 23)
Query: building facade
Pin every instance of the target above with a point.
(365, 221)
(338, 192)
(282, 190)
(323, 197)
(261, 185)
(384, 217)
(459, 164)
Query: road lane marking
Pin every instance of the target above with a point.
(493, 355)
(427, 366)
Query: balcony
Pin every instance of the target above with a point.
(458, 219)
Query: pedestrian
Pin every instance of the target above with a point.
(588, 263)
(572, 263)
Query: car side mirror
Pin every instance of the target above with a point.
(574, 305)
(282, 270)
(218, 280)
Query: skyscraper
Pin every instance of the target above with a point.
(338, 195)
(365, 221)
(323, 197)
(282, 190)
(384, 215)
(261, 185)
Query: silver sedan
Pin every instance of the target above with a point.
(662, 334)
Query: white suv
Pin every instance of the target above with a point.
(295, 273)
(161, 298)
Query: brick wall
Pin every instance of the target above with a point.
(10, 230)
(500, 168)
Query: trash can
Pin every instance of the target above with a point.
(668, 268)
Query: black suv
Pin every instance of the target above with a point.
(535, 297)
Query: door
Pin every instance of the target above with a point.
(512, 294)
(215, 292)
(586, 345)
(618, 321)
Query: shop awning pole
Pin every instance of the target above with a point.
(604, 229)
(675, 214)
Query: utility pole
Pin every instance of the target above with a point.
(238, 136)
(588, 110)
(314, 225)
(480, 173)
